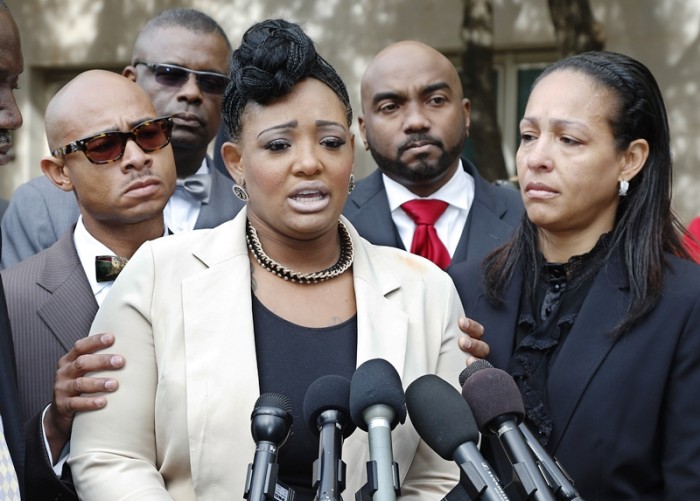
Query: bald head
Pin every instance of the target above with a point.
(415, 119)
(92, 102)
(403, 62)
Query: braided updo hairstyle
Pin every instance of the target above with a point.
(273, 57)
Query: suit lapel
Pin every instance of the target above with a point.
(368, 210)
(71, 307)
(222, 206)
(500, 323)
(219, 341)
(485, 229)
(586, 345)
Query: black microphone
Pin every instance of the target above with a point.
(554, 473)
(270, 424)
(327, 412)
(498, 408)
(445, 422)
(377, 405)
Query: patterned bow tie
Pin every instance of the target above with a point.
(198, 185)
(108, 267)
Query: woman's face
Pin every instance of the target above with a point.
(295, 156)
(568, 165)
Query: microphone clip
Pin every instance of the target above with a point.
(366, 493)
(273, 490)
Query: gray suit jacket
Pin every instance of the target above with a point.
(494, 214)
(39, 213)
(51, 305)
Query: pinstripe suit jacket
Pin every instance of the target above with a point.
(39, 213)
(51, 305)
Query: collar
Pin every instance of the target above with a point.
(458, 191)
(87, 248)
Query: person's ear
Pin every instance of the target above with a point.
(232, 156)
(635, 157)
(55, 170)
(466, 104)
(363, 134)
(130, 72)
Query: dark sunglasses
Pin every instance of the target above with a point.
(107, 147)
(172, 75)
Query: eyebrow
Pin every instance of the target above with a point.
(287, 125)
(558, 123)
(395, 95)
(292, 124)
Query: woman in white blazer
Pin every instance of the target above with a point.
(209, 320)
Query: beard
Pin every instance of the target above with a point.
(423, 169)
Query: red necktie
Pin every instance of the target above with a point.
(426, 242)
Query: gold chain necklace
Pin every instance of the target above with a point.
(344, 261)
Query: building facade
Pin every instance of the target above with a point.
(63, 37)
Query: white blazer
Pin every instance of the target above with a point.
(179, 425)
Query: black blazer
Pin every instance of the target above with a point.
(495, 212)
(626, 412)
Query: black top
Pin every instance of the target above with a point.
(290, 357)
(546, 317)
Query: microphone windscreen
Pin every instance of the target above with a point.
(271, 419)
(330, 392)
(470, 369)
(492, 393)
(273, 400)
(440, 415)
(376, 382)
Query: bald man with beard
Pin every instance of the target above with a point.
(111, 149)
(415, 121)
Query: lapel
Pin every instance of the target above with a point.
(368, 210)
(70, 308)
(219, 341)
(485, 229)
(587, 344)
(382, 331)
(500, 323)
(223, 205)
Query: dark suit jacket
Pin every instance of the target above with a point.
(39, 213)
(9, 410)
(626, 412)
(494, 214)
(51, 305)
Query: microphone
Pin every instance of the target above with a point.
(377, 405)
(554, 473)
(445, 422)
(498, 408)
(327, 412)
(270, 424)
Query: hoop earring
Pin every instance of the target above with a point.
(240, 192)
(351, 185)
(624, 186)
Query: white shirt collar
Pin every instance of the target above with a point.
(458, 191)
(88, 247)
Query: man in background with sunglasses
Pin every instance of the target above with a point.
(111, 148)
(180, 58)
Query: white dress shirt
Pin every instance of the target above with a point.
(458, 192)
(182, 209)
